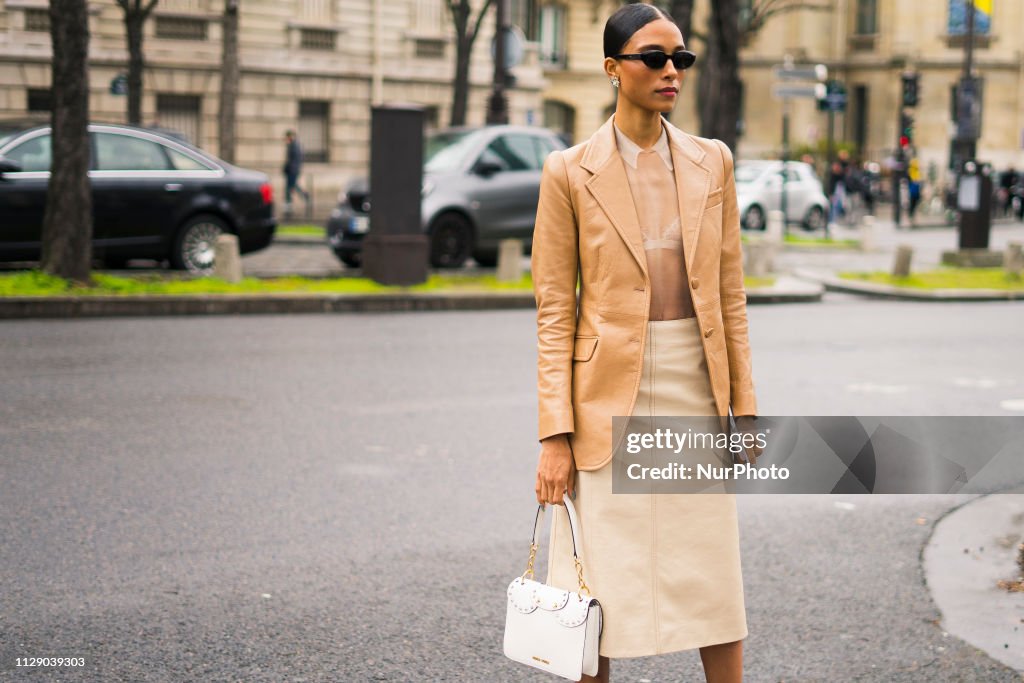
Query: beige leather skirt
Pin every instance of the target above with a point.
(664, 566)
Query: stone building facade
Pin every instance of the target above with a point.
(315, 66)
(318, 65)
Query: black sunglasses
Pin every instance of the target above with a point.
(655, 59)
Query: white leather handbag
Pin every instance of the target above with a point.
(549, 628)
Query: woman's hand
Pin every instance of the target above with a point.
(746, 425)
(556, 470)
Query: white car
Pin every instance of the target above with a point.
(759, 190)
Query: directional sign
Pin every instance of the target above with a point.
(816, 91)
(801, 72)
(835, 97)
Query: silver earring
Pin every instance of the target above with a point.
(615, 81)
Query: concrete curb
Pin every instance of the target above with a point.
(968, 551)
(235, 304)
(871, 289)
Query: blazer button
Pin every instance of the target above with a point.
(694, 282)
(709, 331)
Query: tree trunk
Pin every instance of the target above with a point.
(682, 14)
(707, 84)
(67, 219)
(229, 82)
(725, 16)
(465, 36)
(460, 96)
(133, 22)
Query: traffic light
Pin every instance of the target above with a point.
(906, 129)
(909, 89)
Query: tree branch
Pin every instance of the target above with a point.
(770, 8)
(479, 19)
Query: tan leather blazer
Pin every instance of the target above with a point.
(590, 350)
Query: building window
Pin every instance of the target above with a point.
(430, 48)
(37, 20)
(524, 15)
(181, 28)
(179, 113)
(428, 17)
(552, 36)
(39, 100)
(867, 17)
(956, 24)
(314, 122)
(431, 117)
(185, 6)
(561, 118)
(317, 39)
(316, 10)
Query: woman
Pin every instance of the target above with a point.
(646, 217)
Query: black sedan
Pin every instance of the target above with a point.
(154, 197)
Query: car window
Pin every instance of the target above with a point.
(32, 155)
(748, 173)
(543, 146)
(116, 152)
(512, 153)
(447, 151)
(183, 162)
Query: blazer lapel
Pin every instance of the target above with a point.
(610, 188)
(693, 183)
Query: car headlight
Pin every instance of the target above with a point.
(428, 187)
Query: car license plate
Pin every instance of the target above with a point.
(360, 224)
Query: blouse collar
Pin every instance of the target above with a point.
(630, 150)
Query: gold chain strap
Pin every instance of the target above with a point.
(529, 565)
(579, 573)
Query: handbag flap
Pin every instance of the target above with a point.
(570, 608)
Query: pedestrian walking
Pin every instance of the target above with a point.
(836, 192)
(653, 334)
(292, 170)
(913, 187)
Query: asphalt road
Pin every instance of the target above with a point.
(346, 497)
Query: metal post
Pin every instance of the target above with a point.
(785, 159)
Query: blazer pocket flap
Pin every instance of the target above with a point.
(584, 347)
(714, 197)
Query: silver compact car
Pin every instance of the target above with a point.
(759, 190)
(480, 185)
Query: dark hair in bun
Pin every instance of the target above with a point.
(626, 21)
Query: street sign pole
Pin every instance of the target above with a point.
(790, 72)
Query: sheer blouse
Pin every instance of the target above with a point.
(653, 185)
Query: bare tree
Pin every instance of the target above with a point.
(728, 30)
(67, 219)
(135, 14)
(465, 36)
(229, 75)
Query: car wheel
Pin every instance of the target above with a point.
(352, 259)
(815, 218)
(487, 259)
(194, 244)
(754, 218)
(451, 238)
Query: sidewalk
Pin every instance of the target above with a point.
(971, 548)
